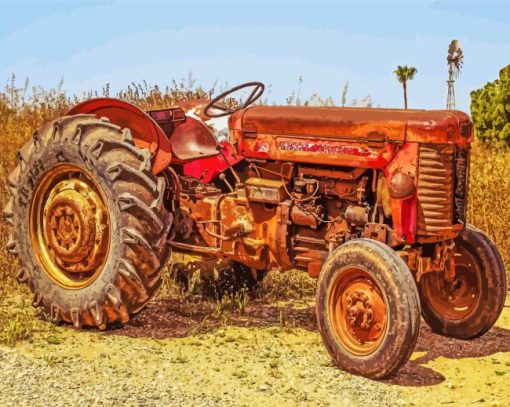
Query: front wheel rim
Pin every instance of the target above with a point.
(357, 311)
(454, 300)
(70, 226)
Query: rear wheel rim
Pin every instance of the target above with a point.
(458, 299)
(70, 226)
(357, 311)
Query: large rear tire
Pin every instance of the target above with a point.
(470, 305)
(90, 226)
(367, 308)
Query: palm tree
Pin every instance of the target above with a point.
(405, 73)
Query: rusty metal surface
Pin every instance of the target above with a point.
(440, 260)
(307, 217)
(264, 190)
(359, 315)
(239, 229)
(342, 123)
(455, 297)
(303, 149)
(340, 174)
(70, 226)
(357, 123)
(318, 177)
(351, 137)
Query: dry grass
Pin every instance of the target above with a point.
(489, 194)
(22, 112)
(17, 319)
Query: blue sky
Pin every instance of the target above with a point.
(89, 44)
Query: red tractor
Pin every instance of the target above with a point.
(370, 201)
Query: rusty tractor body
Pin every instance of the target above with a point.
(372, 202)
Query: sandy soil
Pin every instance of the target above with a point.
(177, 353)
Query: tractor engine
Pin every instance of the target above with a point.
(281, 215)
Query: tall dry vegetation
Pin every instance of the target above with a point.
(489, 194)
(21, 112)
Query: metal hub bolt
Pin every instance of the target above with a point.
(359, 310)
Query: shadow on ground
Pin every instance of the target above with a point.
(175, 318)
(415, 374)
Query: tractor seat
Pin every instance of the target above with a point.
(192, 139)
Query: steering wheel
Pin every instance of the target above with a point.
(222, 110)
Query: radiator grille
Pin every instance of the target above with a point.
(435, 189)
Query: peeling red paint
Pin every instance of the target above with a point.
(324, 147)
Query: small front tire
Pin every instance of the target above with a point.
(367, 308)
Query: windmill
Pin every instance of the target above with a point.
(455, 59)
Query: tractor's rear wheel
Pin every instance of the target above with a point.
(367, 308)
(89, 222)
(470, 305)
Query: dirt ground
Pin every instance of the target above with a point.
(179, 352)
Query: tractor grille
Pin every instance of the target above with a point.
(435, 190)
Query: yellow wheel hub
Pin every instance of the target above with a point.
(70, 226)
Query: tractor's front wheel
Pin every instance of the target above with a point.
(468, 306)
(367, 308)
(89, 222)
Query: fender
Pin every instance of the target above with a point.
(145, 131)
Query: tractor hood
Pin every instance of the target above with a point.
(424, 126)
